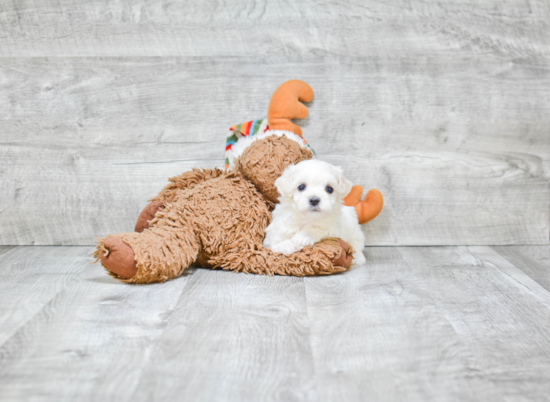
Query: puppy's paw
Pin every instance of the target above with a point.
(286, 247)
(303, 239)
(359, 258)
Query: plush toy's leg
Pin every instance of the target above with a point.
(186, 181)
(326, 257)
(147, 215)
(118, 258)
(154, 255)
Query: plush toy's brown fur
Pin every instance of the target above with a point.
(264, 162)
(218, 219)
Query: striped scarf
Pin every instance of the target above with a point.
(243, 130)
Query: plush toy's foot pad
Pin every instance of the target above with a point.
(147, 214)
(119, 258)
(346, 257)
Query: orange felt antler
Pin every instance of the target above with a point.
(367, 209)
(285, 105)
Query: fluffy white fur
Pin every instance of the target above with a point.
(307, 212)
(245, 142)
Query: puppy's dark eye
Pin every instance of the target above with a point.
(301, 187)
(329, 189)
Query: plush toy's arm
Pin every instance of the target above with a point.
(187, 180)
(369, 208)
(326, 257)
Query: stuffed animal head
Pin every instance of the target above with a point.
(267, 148)
(263, 161)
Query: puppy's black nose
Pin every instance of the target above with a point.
(314, 201)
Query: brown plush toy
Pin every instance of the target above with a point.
(214, 218)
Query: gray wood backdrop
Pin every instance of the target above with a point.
(443, 106)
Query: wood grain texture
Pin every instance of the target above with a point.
(500, 313)
(90, 341)
(414, 324)
(457, 142)
(533, 260)
(4, 250)
(377, 335)
(271, 28)
(234, 337)
(31, 278)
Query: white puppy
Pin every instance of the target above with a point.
(310, 209)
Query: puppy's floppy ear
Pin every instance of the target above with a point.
(284, 183)
(344, 185)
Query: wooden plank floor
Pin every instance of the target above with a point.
(415, 324)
